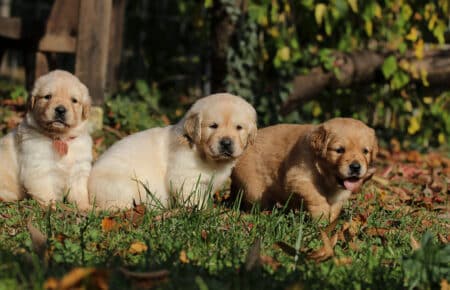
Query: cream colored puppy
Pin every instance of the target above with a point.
(49, 155)
(172, 162)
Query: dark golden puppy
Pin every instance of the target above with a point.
(319, 165)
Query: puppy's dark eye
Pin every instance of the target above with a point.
(47, 97)
(340, 150)
(365, 151)
(214, 126)
(238, 127)
(74, 100)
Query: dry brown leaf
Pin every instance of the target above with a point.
(415, 245)
(154, 275)
(253, 255)
(74, 277)
(444, 285)
(442, 238)
(38, 240)
(326, 251)
(380, 232)
(287, 249)
(342, 261)
(51, 284)
(109, 224)
(183, 257)
(413, 156)
(270, 261)
(137, 248)
(204, 235)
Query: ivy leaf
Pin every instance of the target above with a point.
(354, 5)
(319, 12)
(399, 80)
(389, 66)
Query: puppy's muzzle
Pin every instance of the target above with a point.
(226, 146)
(60, 113)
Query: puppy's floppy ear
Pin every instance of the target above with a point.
(192, 127)
(252, 131)
(31, 102)
(319, 140)
(86, 102)
(86, 106)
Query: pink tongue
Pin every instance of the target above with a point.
(352, 184)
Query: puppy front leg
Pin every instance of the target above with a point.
(42, 190)
(78, 185)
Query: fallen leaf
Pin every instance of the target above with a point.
(442, 238)
(286, 248)
(137, 248)
(204, 235)
(109, 224)
(38, 240)
(253, 255)
(415, 245)
(380, 232)
(342, 261)
(326, 251)
(271, 262)
(444, 285)
(183, 257)
(74, 277)
(153, 275)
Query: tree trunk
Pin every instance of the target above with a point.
(222, 30)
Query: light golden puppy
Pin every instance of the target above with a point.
(321, 165)
(195, 155)
(49, 155)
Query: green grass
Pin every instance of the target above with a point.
(216, 242)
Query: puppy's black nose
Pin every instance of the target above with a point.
(226, 145)
(355, 167)
(60, 110)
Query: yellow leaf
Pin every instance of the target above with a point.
(317, 110)
(428, 100)
(287, 7)
(408, 106)
(354, 5)
(377, 11)
(432, 22)
(369, 27)
(414, 125)
(263, 21)
(441, 138)
(284, 53)
(319, 12)
(404, 64)
(423, 77)
(281, 18)
(183, 257)
(274, 32)
(137, 248)
(418, 49)
(413, 34)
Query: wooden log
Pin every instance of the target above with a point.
(361, 67)
(93, 46)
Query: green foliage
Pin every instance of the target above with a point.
(277, 40)
(135, 108)
(428, 266)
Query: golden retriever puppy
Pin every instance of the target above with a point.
(319, 165)
(179, 162)
(49, 155)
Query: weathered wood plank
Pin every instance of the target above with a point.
(93, 46)
(58, 43)
(11, 27)
(115, 43)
